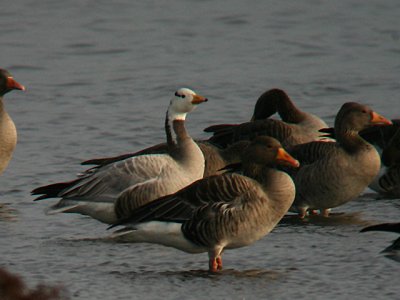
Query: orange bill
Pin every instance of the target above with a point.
(377, 119)
(14, 85)
(197, 99)
(284, 158)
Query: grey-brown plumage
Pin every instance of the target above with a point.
(222, 211)
(386, 140)
(295, 126)
(8, 132)
(112, 190)
(337, 172)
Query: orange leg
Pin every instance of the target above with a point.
(213, 265)
(219, 262)
(215, 260)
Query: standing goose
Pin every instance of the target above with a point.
(386, 140)
(335, 173)
(140, 179)
(393, 251)
(296, 126)
(219, 212)
(8, 132)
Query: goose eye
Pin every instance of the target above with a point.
(178, 95)
(364, 111)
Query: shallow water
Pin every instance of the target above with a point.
(99, 75)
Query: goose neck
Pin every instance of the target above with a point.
(351, 141)
(175, 131)
(289, 112)
(257, 172)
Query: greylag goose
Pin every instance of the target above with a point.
(219, 212)
(140, 179)
(393, 251)
(386, 140)
(335, 173)
(8, 132)
(296, 126)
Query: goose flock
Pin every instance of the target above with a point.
(233, 188)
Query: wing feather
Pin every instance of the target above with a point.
(180, 206)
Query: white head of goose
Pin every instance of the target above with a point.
(8, 132)
(296, 126)
(134, 181)
(335, 173)
(219, 212)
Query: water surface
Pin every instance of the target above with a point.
(99, 76)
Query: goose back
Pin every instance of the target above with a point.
(295, 126)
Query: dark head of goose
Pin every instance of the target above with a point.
(183, 102)
(265, 150)
(8, 83)
(356, 117)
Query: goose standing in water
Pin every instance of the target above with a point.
(140, 179)
(335, 173)
(8, 132)
(219, 212)
(295, 126)
(386, 140)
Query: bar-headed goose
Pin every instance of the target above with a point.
(140, 179)
(219, 212)
(8, 132)
(335, 173)
(295, 126)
